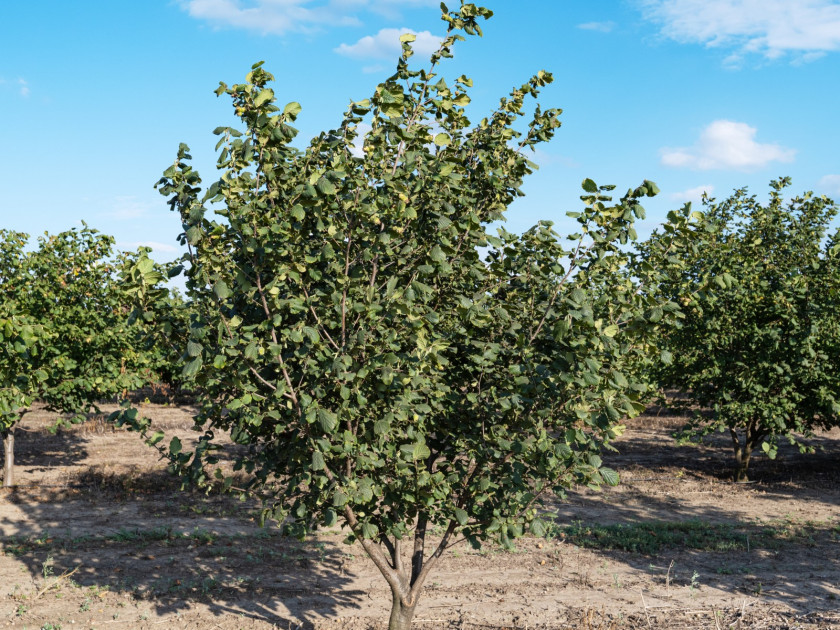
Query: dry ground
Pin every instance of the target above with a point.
(98, 536)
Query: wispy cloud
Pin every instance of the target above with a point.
(806, 29)
(278, 17)
(164, 248)
(127, 208)
(601, 27)
(386, 44)
(726, 144)
(830, 184)
(692, 194)
(275, 17)
(20, 85)
(391, 9)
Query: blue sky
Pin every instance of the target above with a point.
(95, 95)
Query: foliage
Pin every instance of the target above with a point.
(159, 315)
(64, 326)
(380, 371)
(759, 342)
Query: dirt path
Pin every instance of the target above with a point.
(98, 536)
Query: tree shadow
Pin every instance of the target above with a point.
(789, 559)
(40, 449)
(96, 512)
(173, 550)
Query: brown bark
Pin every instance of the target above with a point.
(401, 615)
(743, 454)
(9, 457)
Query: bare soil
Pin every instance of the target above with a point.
(98, 535)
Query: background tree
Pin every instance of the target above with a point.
(65, 327)
(383, 373)
(758, 346)
(159, 318)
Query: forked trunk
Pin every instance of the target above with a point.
(8, 458)
(406, 580)
(401, 615)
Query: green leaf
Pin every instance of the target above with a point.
(327, 420)
(461, 516)
(221, 290)
(369, 531)
(191, 368)
(609, 476)
(265, 95)
(174, 446)
(292, 109)
(420, 451)
(589, 186)
(538, 528)
(318, 462)
(437, 254)
(442, 140)
(325, 186)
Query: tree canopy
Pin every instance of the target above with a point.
(389, 364)
(758, 346)
(64, 325)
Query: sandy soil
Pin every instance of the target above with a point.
(98, 536)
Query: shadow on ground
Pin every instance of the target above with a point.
(173, 550)
(790, 558)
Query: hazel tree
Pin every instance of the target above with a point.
(759, 344)
(64, 327)
(389, 365)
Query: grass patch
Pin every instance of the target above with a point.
(652, 537)
(166, 536)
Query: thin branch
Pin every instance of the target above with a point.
(318, 319)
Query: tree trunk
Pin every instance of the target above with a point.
(9, 457)
(401, 615)
(743, 453)
(742, 458)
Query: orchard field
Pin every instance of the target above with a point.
(98, 535)
(441, 423)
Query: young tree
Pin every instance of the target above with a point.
(384, 373)
(20, 338)
(64, 325)
(758, 346)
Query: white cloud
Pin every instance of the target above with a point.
(23, 87)
(278, 17)
(267, 16)
(726, 144)
(831, 184)
(601, 27)
(692, 194)
(771, 28)
(386, 44)
(357, 148)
